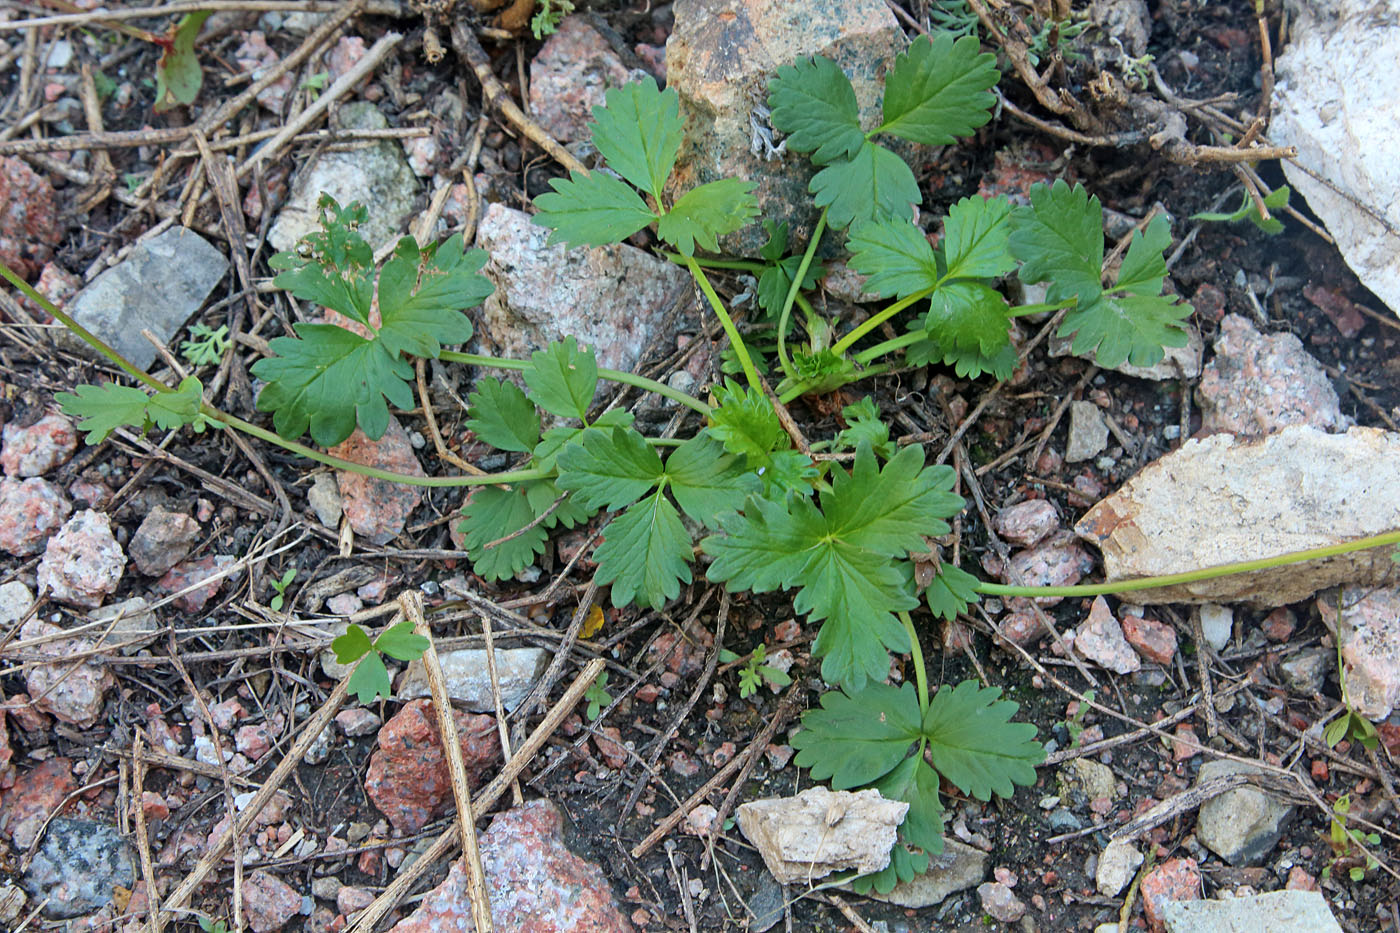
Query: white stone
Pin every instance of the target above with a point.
(1334, 98)
(1117, 863)
(1088, 432)
(15, 600)
(1294, 911)
(1221, 499)
(1368, 630)
(1243, 824)
(820, 831)
(135, 624)
(469, 679)
(1217, 624)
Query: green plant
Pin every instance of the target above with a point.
(281, 587)
(316, 83)
(371, 677)
(1048, 38)
(1275, 200)
(1074, 725)
(178, 75)
(206, 345)
(597, 697)
(755, 673)
(1342, 838)
(846, 540)
(212, 926)
(548, 17)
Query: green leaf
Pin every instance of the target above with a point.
(857, 737)
(645, 553)
(501, 415)
(493, 513)
(704, 214)
(591, 210)
(788, 471)
(914, 782)
(776, 246)
(610, 469)
(839, 556)
(873, 184)
(1059, 239)
(102, 409)
(969, 314)
(562, 378)
(639, 131)
(178, 75)
(950, 592)
(541, 495)
(967, 362)
(1144, 266)
(1336, 730)
(352, 646)
(894, 255)
(973, 743)
(370, 679)
(865, 426)
(904, 866)
(939, 90)
(1275, 200)
(743, 420)
(775, 281)
(401, 643)
(556, 439)
(813, 102)
(329, 379)
(975, 237)
(706, 481)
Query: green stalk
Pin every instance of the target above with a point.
(340, 463)
(737, 265)
(87, 336)
(612, 375)
(732, 332)
(889, 346)
(793, 289)
(917, 653)
(1192, 576)
(1023, 310)
(878, 318)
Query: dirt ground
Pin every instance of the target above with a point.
(682, 715)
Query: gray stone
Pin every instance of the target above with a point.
(1334, 98)
(1294, 911)
(13, 901)
(83, 563)
(720, 58)
(615, 299)
(1305, 672)
(469, 679)
(163, 539)
(1027, 523)
(78, 865)
(1243, 824)
(157, 287)
(1087, 778)
(1368, 630)
(1117, 863)
(73, 692)
(959, 867)
(1260, 383)
(1217, 624)
(324, 499)
(1000, 903)
(377, 176)
(819, 831)
(1088, 432)
(1221, 499)
(15, 601)
(135, 624)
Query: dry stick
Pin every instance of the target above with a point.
(427, 405)
(412, 604)
(310, 732)
(501, 727)
(492, 792)
(496, 95)
(384, 8)
(342, 86)
(143, 841)
(1203, 668)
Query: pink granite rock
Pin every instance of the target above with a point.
(29, 227)
(30, 511)
(1155, 641)
(377, 509)
(1100, 639)
(1178, 879)
(1260, 383)
(1056, 561)
(34, 796)
(569, 76)
(194, 573)
(1368, 629)
(536, 885)
(268, 902)
(83, 563)
(1027, 523)
(72, 692)
(33, 451)
(407, 777)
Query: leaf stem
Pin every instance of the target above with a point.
(1192, 576)
(87, 336)
(1023, 310)
(613, 375)
(794, 288)
(920, 675)
(735, 340)
(878, 318)
(889, 346)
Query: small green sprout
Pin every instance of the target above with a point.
(206, 345)
(281, 587)
(371, 678)
(597, 696)
(755, 672)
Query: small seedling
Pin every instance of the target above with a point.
(206, 345)
(316, 83)
(212, 926)
(1074, 725)
(1342, 838)
(1275, 200)
(597, 696)
(371, 677)
(281, 587)
(548, 17)
(178, 75)
(755, 673)
(1351, 725)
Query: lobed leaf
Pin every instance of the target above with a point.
(706, 481)
(894, 255)
(704, 214)
(102, 409)
(916, 783)
(865, 425)
(969, 314)
(812, 101)
(1127, 328)
(973, 743)
(1059, 239)
(500, 414)
(423, 292)
(743, 420)
(352, 646)
(857, 737)
(370, 679)
(951, 592)
(939, 90)
(562, 378)
(873, 184)
(975, 236)
(610, 469)
(401, 642)
(638, 131)
(591, 210)
(645, 553)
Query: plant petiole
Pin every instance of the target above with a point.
(732, 332)
(793, 291)
(917, 653)
(878, 318)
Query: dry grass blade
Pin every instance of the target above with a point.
(412, 605)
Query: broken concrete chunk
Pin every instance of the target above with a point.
(1222, 499)
(820, 831)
